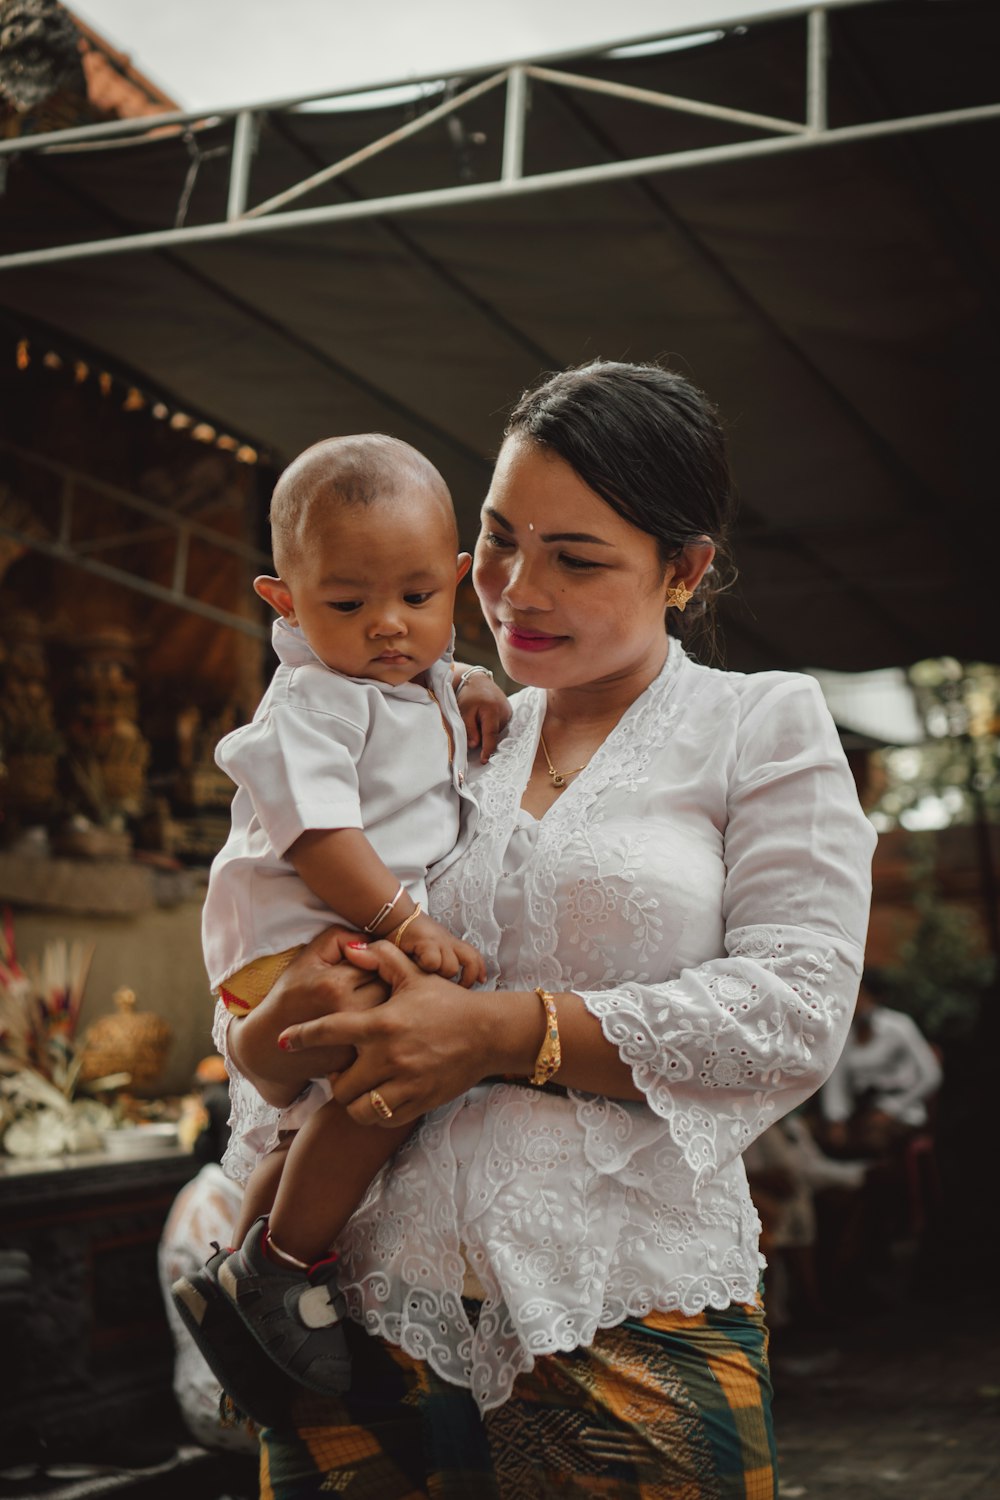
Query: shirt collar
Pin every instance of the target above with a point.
(293, 650)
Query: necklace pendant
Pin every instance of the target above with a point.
(558, 780)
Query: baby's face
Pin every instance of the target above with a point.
(374, 592)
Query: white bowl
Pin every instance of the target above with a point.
(139, 1140)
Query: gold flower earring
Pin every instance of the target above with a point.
(678, 597)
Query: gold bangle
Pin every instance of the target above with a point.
(550, 1053)
(397, 936)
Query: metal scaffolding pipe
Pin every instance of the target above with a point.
(514, 122)
(138, 585)
(471, 193)
(181, 562)
(337, 168)
(817, 52)
(244, 138)
(65, 531)
(664, 101)
(173, 520)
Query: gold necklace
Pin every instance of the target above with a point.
(558, 778)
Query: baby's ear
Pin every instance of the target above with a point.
(464, 564)
(278, 596)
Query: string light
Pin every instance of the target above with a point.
(137, 400)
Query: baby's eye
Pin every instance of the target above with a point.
(345, 606)
(419, 598)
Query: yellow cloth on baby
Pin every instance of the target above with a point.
(243, 991)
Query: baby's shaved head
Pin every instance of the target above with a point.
(348, 473)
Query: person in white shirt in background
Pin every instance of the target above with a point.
(876, 1097)
(555, 1290)
(874, 1106)
(787, 1170)
(205, 1209)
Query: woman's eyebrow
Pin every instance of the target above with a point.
(549, 536)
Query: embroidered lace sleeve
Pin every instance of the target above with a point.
(729, 1046)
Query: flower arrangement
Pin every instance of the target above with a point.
(40, 1056)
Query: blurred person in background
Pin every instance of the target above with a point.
(205, 1209)
(876, 1098)
(788, 1171)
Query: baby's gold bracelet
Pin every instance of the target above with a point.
(549, 1054)
(397, 936)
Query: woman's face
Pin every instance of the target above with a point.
(573, 593)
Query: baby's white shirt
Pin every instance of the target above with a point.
(328, 751)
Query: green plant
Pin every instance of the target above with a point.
(943, 972)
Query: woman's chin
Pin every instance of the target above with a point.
(532, 668)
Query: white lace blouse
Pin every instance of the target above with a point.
(703, 885)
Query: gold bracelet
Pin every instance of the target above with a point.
(549, 1054)
(397, 936)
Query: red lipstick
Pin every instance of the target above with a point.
(531, 640)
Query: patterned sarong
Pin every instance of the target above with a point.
(672, 1408)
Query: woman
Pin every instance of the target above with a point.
(669, 881)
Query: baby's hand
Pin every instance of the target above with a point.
(432, 947)
(485, 712)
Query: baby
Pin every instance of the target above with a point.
(349, 788)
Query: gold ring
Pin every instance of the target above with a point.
(379, 1105)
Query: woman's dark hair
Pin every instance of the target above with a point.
(652, 446)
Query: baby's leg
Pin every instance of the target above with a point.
(282, 1280)
(262, 1188)
(329, 1164)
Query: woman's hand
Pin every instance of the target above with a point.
(317, 983)
(430, 1043)
(485, 711)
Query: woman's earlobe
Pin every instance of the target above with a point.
(692, 564)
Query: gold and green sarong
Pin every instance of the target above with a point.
(670, 1408)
